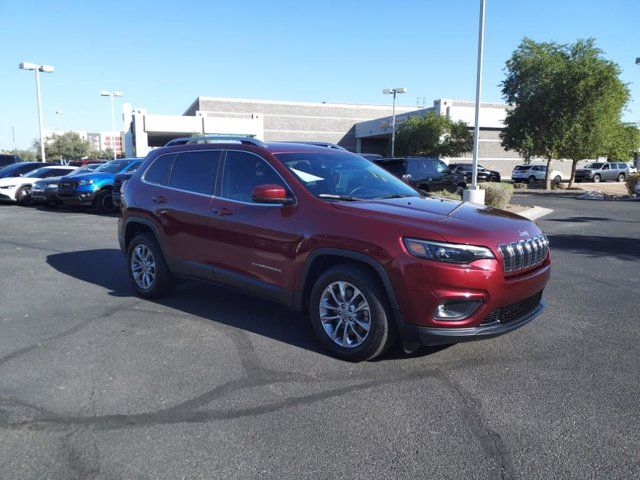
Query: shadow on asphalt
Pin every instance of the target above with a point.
(621, 247)
(107, 268)
(579, 219)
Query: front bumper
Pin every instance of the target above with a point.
(432, 336)
(77, 197)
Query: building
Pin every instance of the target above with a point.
(357, 127)
(99, 140)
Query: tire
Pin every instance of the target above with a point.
(621, 177)
(161, 281)
(557, 179)
(103, 202)
(381, 329)
(596, 178)
(23, 196)
(531, 180)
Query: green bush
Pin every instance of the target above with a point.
(631, 181)
(497, 194)
(446, 194)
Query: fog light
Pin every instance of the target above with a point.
(456, 309)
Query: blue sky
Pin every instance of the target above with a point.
(162, 55)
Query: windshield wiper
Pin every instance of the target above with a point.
(331, 196)
(394, 195)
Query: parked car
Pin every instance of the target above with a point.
(8, 159)
(46, 190)
(329, 232)
(20, 169)
(632, 168)
(603, 171)
(427, 174)
(534, 173)
(371, 156)
(119, 181)
(95, 188)
(87, 161)
(18, 189)
(484, 174)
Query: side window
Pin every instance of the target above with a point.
(622, 166)
(244, 171)
(133, 167)
(158, 172)
(605, 167)
(58, 172)
(195, 171)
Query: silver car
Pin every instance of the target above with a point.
(603, 171)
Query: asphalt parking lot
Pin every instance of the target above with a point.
(210, 383)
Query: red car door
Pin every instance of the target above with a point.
(253, 244)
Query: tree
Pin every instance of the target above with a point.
(68, 146)
(566, 102)
(433, 135)
(593, 103)
(25, 155)
(623, 143)
(101, 154)
(533, 90)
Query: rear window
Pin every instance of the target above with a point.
(595, 166)
(522, 168)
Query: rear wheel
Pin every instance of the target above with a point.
(103, 202)
(350, 314)
(557, 179)
(23, 195)
(596, 178)
(531, 180)
(148, 271)
(621, 177)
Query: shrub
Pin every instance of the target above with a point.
(497, 194)
(446, 194)
(631, 181)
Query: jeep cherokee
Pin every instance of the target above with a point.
(329, 232)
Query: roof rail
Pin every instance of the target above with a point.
(215, 139)
(321, 144)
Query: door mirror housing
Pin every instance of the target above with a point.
(270, 193)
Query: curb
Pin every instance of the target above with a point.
(534, 213)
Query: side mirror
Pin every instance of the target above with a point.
(270, 193)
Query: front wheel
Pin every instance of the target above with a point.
(557, 179)
(23, 196)
(621, 177)
(148, 271)
(531, 180)
(596, 178)
(350, 314)
(103, 202)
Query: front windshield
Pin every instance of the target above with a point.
(344, 175)
(595, 165)
(113, 166)
(38, 173)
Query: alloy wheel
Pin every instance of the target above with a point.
(143, 267)
(345, 314)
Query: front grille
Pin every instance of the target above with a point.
(514, 311)
(67, 186)
(524, 254)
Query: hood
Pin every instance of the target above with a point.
(454, 221)
(95, 176)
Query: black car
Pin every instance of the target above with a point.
(19, 169)
(428, 174)
(116, 193)
(484, 174)
(7, 159)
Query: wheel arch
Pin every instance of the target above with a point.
(137, 225)
(323, 258)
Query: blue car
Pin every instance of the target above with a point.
(94, 188)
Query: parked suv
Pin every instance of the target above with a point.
(95, 188)
(534, 173)
(329, 232)
(427, 174)
(484, 174)
(6, 159)
(603, 171)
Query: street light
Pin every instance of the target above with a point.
(475, 194)
(105, 93)
(59, 114)
(393, 91)
(38, 68)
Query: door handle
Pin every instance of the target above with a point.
(159, 199)
(222, 211)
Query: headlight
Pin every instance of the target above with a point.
(85, 182)
(7, 186)
(446, 252)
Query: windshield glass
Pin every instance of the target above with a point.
(523, 167)
(344, 174)
(38, 173)
(596, 166)
(112, 167)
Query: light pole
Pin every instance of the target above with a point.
(475, 194)
(105, 93)
(394, 92)
(59, 114)
(38, 68)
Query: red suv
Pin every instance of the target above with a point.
(326, 231)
